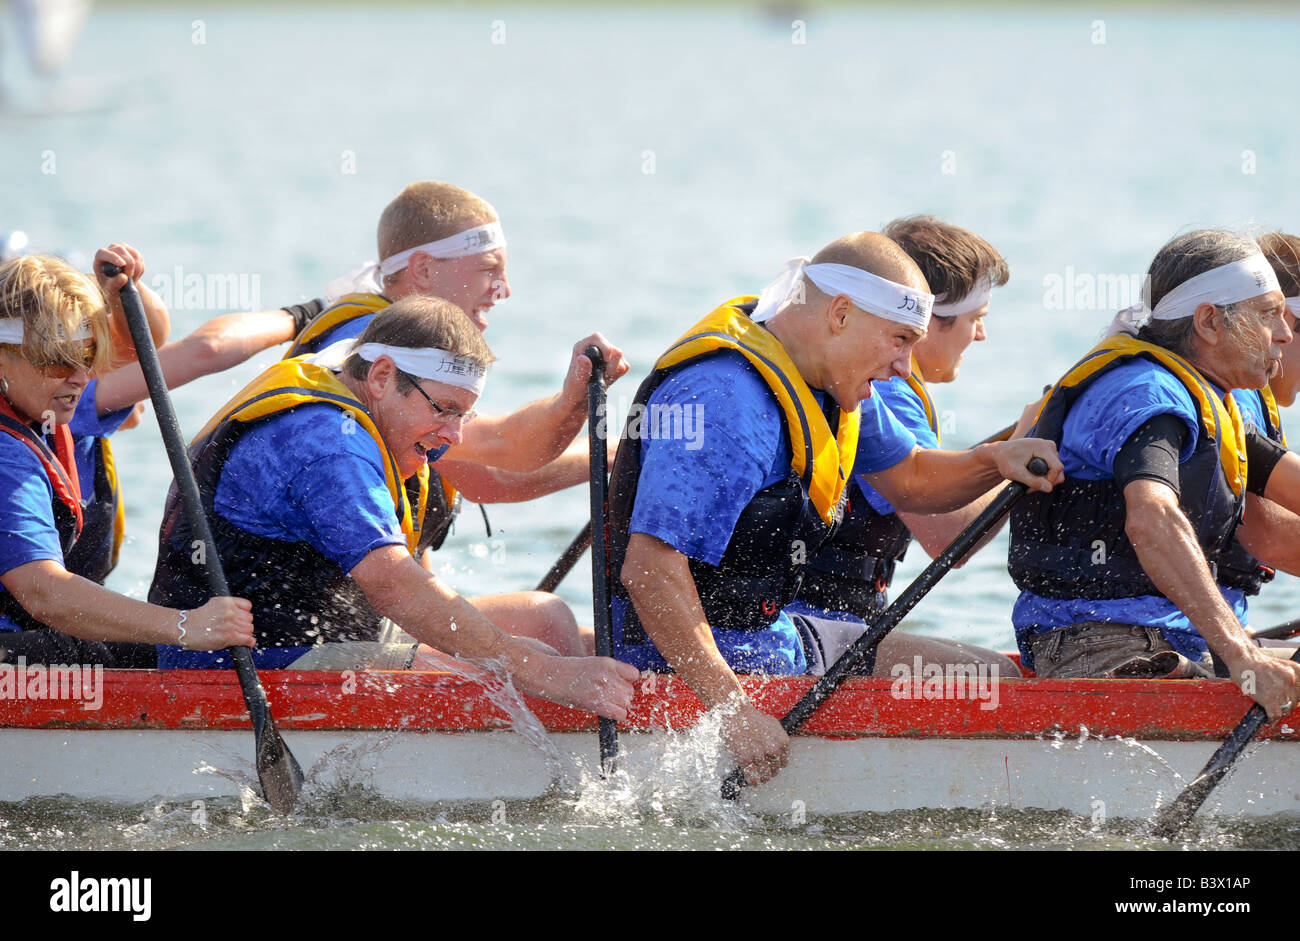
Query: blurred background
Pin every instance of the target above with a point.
(648, 162)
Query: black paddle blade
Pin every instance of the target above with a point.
(278, 770)
(1170, 821)
(1177, 815)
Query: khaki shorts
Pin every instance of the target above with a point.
(1104, 649)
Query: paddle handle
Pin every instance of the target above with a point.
(600, 599)
(889, 618)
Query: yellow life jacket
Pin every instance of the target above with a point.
(348, 307)
(917, 385)
(1220, 418)
(812, 442)
(1271, 413)
(1072, 542)
(293, 382)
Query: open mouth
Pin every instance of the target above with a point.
(422, 451)
(68, 401)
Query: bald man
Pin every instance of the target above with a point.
(713, 509)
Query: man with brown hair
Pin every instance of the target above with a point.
(710, 531)
(305, 476)
(849, 578)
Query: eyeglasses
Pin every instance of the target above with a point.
(442, 412)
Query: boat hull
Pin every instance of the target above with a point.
(1098, 748)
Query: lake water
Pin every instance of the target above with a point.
(647, 164)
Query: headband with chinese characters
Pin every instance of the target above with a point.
(867, 291)
(483, 238)
(12, 331)
(429, 363)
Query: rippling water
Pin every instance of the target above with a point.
(647, 164)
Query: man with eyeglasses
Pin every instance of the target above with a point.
(439, 240)
(311, 478)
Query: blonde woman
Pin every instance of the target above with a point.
(55, 334)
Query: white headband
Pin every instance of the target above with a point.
(11, 331)
(429, 363)
(365, 280)
(977, 297)
(868, 292)
(1293, 304)
(483, 238)
(1227, 284)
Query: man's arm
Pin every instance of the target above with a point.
(658, 578)
(538, 433)
(483, 484)
(1171, 557)
(400, 589)
(217, 345)
(932, 481)
(936, 531)
(1271, 534)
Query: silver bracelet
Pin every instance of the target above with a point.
(180, 626)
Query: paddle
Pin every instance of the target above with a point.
(889, 618)
(567, 560)
(569, 557)
(1281, 632)
(1173, 818)
(277, 769)
(600, 601)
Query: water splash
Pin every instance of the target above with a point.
(670, 777)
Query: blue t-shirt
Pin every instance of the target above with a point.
(694, 486)
(347, 330)
(1103, 418)
(907, 407)
(27, 530)
(300, 476)
(1251, 407)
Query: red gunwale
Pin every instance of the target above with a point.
(863, 707)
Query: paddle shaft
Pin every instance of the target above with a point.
(569, 557)
(600, 600)
(270, 748)
(889, 618)
(1173, 818)
(1280, 632)
(567, 560)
